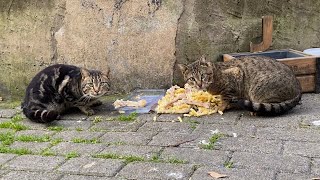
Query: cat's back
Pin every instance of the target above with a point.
(54, 72)
(262, 64)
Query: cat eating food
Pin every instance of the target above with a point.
(262, 85)
(60, 87)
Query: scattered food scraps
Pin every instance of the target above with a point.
(189, 101)
(217, 175)
(121, 103)
(316, 123)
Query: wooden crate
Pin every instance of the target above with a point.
(306, 67)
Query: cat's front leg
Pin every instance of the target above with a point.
(86, 110)
(225, 105)
(95, 103)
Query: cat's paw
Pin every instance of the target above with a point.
(96, 103)
(87, 111)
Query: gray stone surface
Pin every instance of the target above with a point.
(276, 148)
(70, 135)
(6, 157)
(92, 166)
(147, 152)
(196, 156)
(286, 163)
(82, 149)
(302, 149)
(7, 113)
(34, 163)
(233, 173)
(156, 171)
(29, 175)
(35, 147)
(84, 177)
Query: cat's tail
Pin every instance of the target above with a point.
(41, 115)
(269, 109)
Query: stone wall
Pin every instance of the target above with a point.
(140, 40)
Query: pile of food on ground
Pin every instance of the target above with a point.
(189, 101)
(122, 103)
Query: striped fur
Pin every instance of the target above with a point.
(256, 83)
(59, 87)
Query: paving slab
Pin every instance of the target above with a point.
(36, 132)
(287, 176)
(233, 173)
(5, 158)
(119, 126)
(133, 138)
(196, 156)
(250, 144)
(83, 177)
(8, 113)
(302, 148)
(29, 175)
(181, 127)
(143, 170)
(315, 166)
(289, 134)
(147, 152)
(34, 147)
(174, 139)
(82, 149)
(92, 166)
(72, 125)
(34, 163)
(285, 163)
(70, 135)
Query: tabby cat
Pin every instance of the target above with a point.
(259, 84)
(60, 87)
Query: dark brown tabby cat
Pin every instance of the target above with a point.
(259, 84)
(59, 87)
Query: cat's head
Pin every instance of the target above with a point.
(198, 74)
(94, 83)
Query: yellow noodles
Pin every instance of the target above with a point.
(189, 102)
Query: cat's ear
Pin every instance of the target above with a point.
(203, 59)
(84, 72)
(182, 68)
(106, 72)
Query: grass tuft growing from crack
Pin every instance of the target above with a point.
(72, 154)
(55, 128)
(13, 125)
(32, 138)
(86, 141)
(130, 117)
(212, 141)
(20, 151)
(228, 164)
(6, 138)
(47, 152)
(128, 159)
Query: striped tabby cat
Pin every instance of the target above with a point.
(59, 87)
(259, 84)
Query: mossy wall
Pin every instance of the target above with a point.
(140, 40)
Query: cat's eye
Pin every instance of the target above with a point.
(191, 79)
(90, 84)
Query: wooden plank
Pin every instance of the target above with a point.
(317, 75)
(301, 66)
(307, 83)
(267, 28)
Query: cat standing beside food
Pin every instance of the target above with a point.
(60, 87)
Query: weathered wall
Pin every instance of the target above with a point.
(140, 40)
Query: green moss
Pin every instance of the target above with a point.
(72, 154)
(12, 125)
(228, 164)
(7, 138)
(97, 119)
(56, 141)
(32, 138)
(130, 117)
(55, 128)
(47, 152)
(128, 159)
(86, 141)
(20, 151)
(8, 104)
